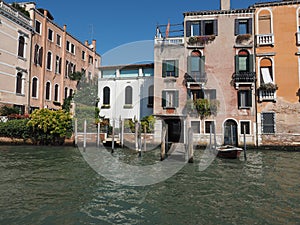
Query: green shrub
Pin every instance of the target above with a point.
(16, 129)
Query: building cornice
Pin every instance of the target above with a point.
(219, 12)
(274, 3)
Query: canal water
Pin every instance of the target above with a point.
(50, 185)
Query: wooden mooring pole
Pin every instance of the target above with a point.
(76, 133)
(113, 138)
(84, 135)
(163, 143)
(245, 144)
(145, 136)
(98, 135)
(190, 146)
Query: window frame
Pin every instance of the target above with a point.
(106, 96)
(239, 21)
(128, 96)
(50, 35)
(49, 61)
(248, 127)
(48, 91)
(38, 27)
(166, 64)
(273, 124)
(35, 87)
(56, 93)
(21, 46)
(246, 102)
(168, 95)
(207, 126)
(58, 40)
(19, 83)
(198, 128)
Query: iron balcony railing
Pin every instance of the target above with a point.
(244, 77)
(196, 77)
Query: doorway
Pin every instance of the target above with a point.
(174, 130)
(230, 133)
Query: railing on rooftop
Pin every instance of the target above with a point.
(14, 12)
(171, 34)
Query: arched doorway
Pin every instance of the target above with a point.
(230, 133)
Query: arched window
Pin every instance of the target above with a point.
(71, 92)
(244, 62)
(21, 48)
(19, 83)
(196, 66)
(106, 96)
(56, 93)
(150, 96)
(34, 87)
(264, 22)
(128, 95)
(48, 90)
(49, 60)
(266, 74)
(66, 92)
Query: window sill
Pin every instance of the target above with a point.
(56, 103)
(127, 106)
(245, 107)
(105, 107)
(22, 58)
(19, 94)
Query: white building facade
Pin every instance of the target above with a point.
(126, 92)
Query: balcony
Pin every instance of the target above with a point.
(265, 39)
(195, 78)
(243, 78)
(267, 95)
(170, 41)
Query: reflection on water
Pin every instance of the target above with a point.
(42, 185)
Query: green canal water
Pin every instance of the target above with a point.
(49, 185)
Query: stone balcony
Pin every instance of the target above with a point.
(264, 39)
(267, 95)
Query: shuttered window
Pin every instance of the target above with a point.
(170, 99)
(201, 28)
(243, 26)
(244, 99)
(268, 122)
(170, 68)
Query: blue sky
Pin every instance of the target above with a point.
(115, 23)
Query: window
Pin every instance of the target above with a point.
(21, 48)
(150, 96)
(58, 39)
(245, 127)
(243, 62)
(209, 127)
(201, 28)
(71, 92)
(170, 99)
(83, 55)
(264, 22)
(68, 46)
(58, 65)
(38, 27)
(90, 59)
(244, 99)
(73, 48)
(66, 92)
(56, 93)
(48, 90)
(38, 55)
(170, 68)
(128, 95)
(49, 61)
(195, 29)
(34, 90)
(266, 75)
(243, 26)
(106, 96)
(196, 67)
(195, 125)
(268, 123)
(210, 94)
(19, 83)
(50, 35)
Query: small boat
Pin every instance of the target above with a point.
(229, 152)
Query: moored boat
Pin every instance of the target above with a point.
(229, 152)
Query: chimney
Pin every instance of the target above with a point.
(225, 4)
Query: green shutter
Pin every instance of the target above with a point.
(249, 98)
(176, 100)
(237, 64)
(202, 65)
(164, 69)
(251, 63)
(188, 28)
(215, 27)
(236, 27)
(250, 25)
(176, 68)
(189, 63)
(239, 99)
(163, 99)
